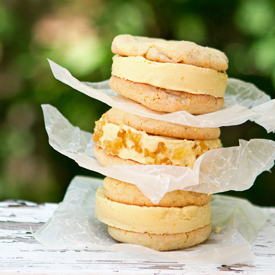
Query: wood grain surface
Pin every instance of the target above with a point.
(20, 253)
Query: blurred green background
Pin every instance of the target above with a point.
(78, 35)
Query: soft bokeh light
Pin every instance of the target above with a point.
(191, 27)
(255, 17)
(73, 42)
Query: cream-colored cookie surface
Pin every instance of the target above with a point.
(157, 220)
(129, 143)
(164, 100)
(161, 50)
(127, 193)
(162, 242)
(161, 128)
(173, 76)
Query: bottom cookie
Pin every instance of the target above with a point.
(165, 100)
(162, 242)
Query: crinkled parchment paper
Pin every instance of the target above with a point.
(74, 226)
(243, 101)
(218, 170)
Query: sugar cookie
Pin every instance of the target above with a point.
(162, 242)
(161, 128)
(164, 100)
(127, 193)
(161, 50)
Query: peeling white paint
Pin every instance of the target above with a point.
(15, 234)
(23, 211)
(21, 254)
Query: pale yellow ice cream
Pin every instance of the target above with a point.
(157, 220)
(129, 143)
(172, 76)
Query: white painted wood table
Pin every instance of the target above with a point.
(20, 253)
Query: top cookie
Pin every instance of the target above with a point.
(161, 50)
(161, 128)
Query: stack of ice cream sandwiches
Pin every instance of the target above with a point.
(165, 76)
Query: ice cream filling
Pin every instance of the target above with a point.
(156, 220)
(128, 143)
(173, 76)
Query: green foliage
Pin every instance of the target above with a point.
(255, 18)
(191, 27)
(78, 35)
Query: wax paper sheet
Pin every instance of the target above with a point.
(243, 101)
(218, 170)
(73, 226)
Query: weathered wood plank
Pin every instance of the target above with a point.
(20, 253)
